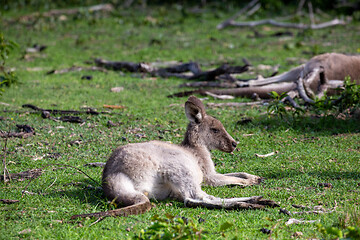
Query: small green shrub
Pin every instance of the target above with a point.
(337, 233)
(279, 108)
(7, 77)
(348, 100)
(170, 227)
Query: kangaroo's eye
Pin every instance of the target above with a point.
(215, 130)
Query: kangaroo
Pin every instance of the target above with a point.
(321, 73)
(159, 170)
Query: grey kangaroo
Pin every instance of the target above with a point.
(158, 170)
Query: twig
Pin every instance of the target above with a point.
(57, 111)
(300, 7)
(212, 84)
(59, 12)
(51, 184)
(98, 220)
(4, 160)
(331, 23)
(235, 104)
(311, 13)
(253, 10)
(222, 97)
(9, 201)
(239, 13)
(59, 164)
(76, 69)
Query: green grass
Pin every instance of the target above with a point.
(308, 151)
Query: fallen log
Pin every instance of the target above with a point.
(172, 71)
(275, 23)
(59, 12)
(25, 132)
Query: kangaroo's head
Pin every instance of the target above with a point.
(205, 130)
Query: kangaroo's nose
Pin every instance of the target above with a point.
(234, 144)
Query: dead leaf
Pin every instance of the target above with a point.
(325, 185)
(117, 89)
(113, 106)
(25, 231)
(297, 234)
(265, 155)
(299, 221)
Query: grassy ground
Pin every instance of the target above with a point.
(308, 151)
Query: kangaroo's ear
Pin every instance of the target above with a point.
(194, 109)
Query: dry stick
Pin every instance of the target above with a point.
(98, 220)
(208, 84)
(57, 111)
(235, 104)
(243, 10)
(311, 13)
(76, 69)
(253, 10)
(4, 161)
(72, 11)
(331, 23)
(300, 7)
(59, 164)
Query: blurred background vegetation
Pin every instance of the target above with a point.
(339, 6)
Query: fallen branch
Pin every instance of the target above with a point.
(222, 97)
(9, 201)
(206, 84)
(76, 69)
(173, 71)
(235, 104)
(59, 12)
(21, 176)
(57, 111)
(239, 13)
(6, 171)
(123, 66)
(25, 131)
(331, 23)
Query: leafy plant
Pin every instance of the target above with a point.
(278, 107)
(170, 227)
(7, 77)
(349, 99)
(337, 233)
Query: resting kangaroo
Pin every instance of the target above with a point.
(137, 172)
(321, 73)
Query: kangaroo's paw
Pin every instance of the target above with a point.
(249, 178)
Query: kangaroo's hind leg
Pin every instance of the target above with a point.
(120, 189)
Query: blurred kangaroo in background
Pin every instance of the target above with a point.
(158, 170)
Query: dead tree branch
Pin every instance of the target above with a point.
(275, 23)
(57, 111)
(241, 12)
(236, 104)
(172, 71)
(76, 69)
(72, 11)
(25, 131)
(6, 171)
